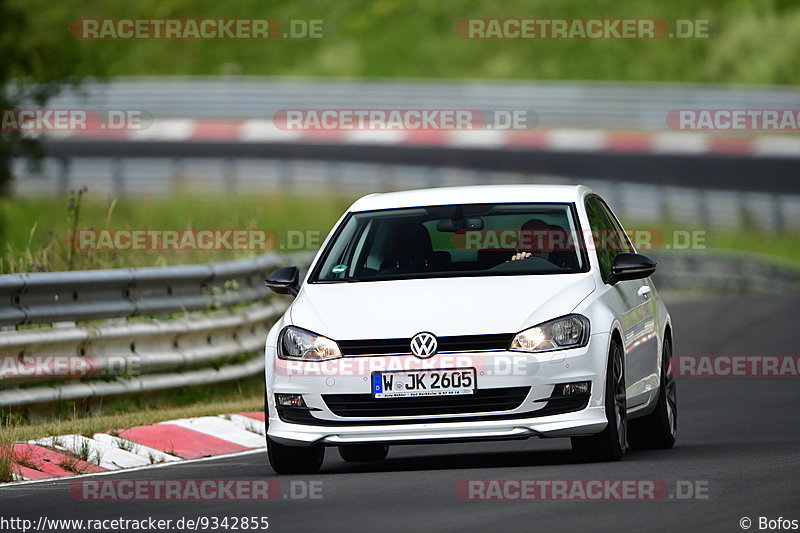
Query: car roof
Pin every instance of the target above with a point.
(476, 194)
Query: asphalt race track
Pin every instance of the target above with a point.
(738, 437)
(707, 170)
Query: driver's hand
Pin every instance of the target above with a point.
(520, 255)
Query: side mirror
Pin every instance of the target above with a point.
(284, 281)
(627, 266)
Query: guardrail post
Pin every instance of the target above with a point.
(663, 203)
(778, 220)
(178, 174)
(63, 175)
(333, 175)
(284, 175)
(433, 176)
(702, 206)
(230, 174)
(117, 176)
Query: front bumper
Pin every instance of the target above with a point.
(535, 416)
(586, 422)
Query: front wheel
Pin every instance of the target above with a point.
(609, 445)
(659, 429)
(295, 459)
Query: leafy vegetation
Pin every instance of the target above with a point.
(750, 42)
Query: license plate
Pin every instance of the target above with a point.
(440, 382)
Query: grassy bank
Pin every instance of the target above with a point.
(750, 42)
(38, 228)
(137, 407)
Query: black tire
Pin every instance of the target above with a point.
(659, 429)
(295, 459)
(609, 444)
(359, 453)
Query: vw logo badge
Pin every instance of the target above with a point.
(423, 345)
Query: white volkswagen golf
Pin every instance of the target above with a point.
(470, 313)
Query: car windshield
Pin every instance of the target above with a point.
(454, 240)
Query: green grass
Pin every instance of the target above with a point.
(779, 245)
(6, 474)
(38, 228)
(752, 42)
(245, 395)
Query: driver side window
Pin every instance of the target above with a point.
(606, 240)
(621, 241)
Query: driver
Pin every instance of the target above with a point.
(534, 235)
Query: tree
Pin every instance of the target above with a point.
(37, 61)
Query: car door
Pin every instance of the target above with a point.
(631, 302)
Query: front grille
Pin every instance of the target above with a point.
(455, 343)
(483, 400)
(555, 406)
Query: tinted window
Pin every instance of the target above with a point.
(454, 240)
(620, 238)
(601, 232)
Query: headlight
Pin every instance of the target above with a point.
(296, 343)
(571, 331)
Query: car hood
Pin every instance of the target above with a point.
(442, 306)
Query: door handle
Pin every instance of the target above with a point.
(644, 291)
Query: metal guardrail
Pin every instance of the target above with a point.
(640, 203)
(135, 385)
(209, 344)
(37, 298)
(145, 347)
(607, 105)
(727, 271)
